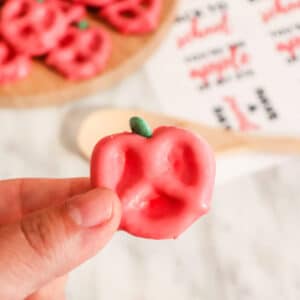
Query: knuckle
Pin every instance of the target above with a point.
(39, 232)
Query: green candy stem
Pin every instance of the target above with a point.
(83, 24)
(139, 126)
(40, 1)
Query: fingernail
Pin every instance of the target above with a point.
(92, 209)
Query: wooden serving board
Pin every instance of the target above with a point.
(46, 87)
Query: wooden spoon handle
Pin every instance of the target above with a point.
(270, 144)
(224, 141)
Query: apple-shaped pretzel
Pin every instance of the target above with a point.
(164, 179)
(32, 26)
(133, 16)
(13, 66)
(82, 53)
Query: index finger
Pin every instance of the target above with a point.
(20, 197)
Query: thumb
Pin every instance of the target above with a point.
(48, 244)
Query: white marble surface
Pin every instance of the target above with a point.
(246, 248)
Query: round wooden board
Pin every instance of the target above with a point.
(45, 87)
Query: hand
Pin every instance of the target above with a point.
(47, 228)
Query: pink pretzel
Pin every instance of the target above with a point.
(96, 3)
(133, 16)
(32, 27)
(13, 66)
(81, 53)
(73, 12)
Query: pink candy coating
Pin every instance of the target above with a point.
(164, 182)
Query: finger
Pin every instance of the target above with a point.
(23, 196)
(48, 244)
(53, 291)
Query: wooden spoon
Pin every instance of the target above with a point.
(109, 121)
